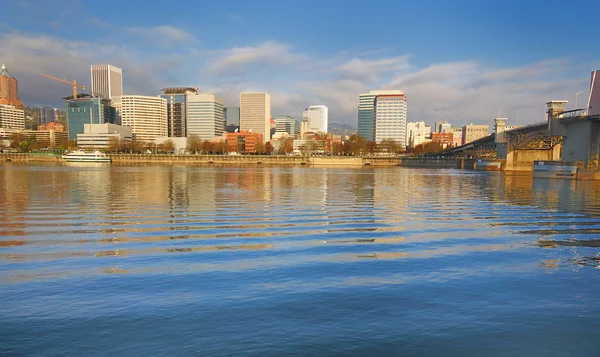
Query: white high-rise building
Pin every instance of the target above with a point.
(205, 116)
(146, 116)
(390, 118)
(317, 117)
(107, 81)
(11, 117)
(255, 113)
(390, 111)
(416, 133)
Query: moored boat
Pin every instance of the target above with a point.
(82, 156)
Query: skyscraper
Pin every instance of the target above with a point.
(390, 118)
(107, 81)
(318, 118)
(391, 113)
(255, 113)
(232, 119)
(594, 98)
(177, 99)
(87, 110)
(145, 115)
(9, 89)
(47, 115)
(367, 114)
(205, 116)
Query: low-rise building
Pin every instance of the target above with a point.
(243, 142)
(101, 136)
(472, 132)
(180, 144)
(446, 139)
(56, 126)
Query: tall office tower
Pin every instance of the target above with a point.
(47, 115)
(594, 98)
(107, 81)
(205, 116)
(177, 99)
(145, 115)
(11, 117)
(255, 113)
(390, 118)
(366, 112)
(9, 89)
(317, 117)
(232, 119)
(87, 110)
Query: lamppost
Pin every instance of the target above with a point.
(577, 99)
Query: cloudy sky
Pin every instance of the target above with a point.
(462, 60)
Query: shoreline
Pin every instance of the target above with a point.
(234, 160)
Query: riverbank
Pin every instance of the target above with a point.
(273, 160)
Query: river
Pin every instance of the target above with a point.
(270, 261)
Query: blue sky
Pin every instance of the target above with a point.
(462, 60)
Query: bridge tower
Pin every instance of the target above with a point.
(500, 137)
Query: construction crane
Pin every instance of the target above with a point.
(74, 84)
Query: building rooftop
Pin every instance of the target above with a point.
(4, 71)
(179, 90)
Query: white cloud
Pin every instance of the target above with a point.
(464, 91)
(164, 34)
(265, 56)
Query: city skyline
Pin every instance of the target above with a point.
(457, 73)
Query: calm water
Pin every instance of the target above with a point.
(160, 260)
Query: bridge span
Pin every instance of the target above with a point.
(571, 136)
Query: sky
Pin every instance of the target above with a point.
(465, 61)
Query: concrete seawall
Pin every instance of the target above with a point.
(274, 160)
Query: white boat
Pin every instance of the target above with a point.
(82, 156)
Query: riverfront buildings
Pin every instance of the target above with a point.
(205, 116)
(11, 117)
(255, 113)
(594, 98)
(390, 118)
(391, 115)
(145, 115)
(317, 117)
(472, 132)
(177, 109)
(441, 126)
(243, 142)
(99, 136)
(287, 124)
(87, 110)
(9, 89)
(416, 133)
(107, 81)
(192, 113)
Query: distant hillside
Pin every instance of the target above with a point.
(341, 129)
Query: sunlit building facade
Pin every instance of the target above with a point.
(255, 113)
(107, 81)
